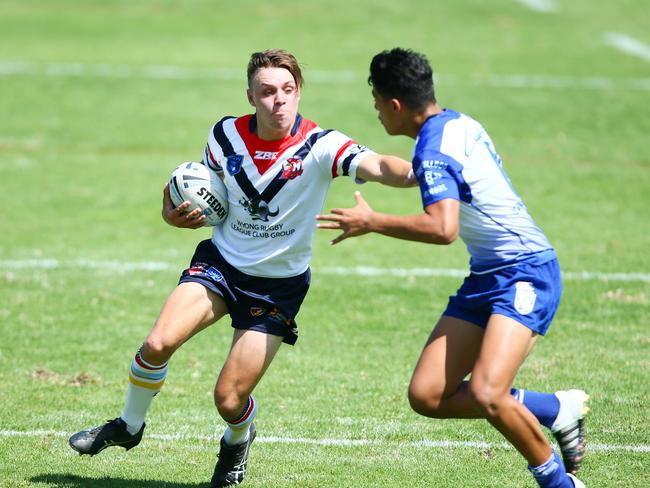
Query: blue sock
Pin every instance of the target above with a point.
(544, 406)
(551, 474)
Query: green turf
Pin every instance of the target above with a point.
(83, 158)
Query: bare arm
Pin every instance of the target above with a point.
(438, 224)
(389, 170)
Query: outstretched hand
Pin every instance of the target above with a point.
(353, 221)
(179, 216)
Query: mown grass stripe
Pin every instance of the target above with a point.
(166, 72)
(130, 266)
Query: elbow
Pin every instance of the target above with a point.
(440, 228)
(444, 237)
(447, 239)
(452, 234)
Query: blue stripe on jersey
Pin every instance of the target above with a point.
(311, 140)
(220, 137)
(440, 177)
(296, 125)
(346, 163)
(209, 161)
(432, 137)
(277, 183)
(245, 184)
(438, 173)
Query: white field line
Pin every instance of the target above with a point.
(628, 45)
(441, 444)
(459, 273)
(558, 82)
(544, 6)
(370, 271)
(162, 72)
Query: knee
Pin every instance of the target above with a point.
(229, 402)
(489, 399)
(424, 400)
(157, 349)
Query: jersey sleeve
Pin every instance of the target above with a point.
(212, 154)
(343, 155)
(437, 176)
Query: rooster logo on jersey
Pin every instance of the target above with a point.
(292, 168)
(258, 209)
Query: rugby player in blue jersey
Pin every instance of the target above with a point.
(514, 286)
(277, 167)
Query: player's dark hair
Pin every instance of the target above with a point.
(403, 74)
(274, 58)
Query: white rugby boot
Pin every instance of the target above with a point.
(569, 428)
(576, 482)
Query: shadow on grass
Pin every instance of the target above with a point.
(73, 481)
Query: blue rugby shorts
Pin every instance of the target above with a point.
(527, 293)
(267, 305)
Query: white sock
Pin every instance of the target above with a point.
(237, 430)
(145, 381)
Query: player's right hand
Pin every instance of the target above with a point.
(179, 216)
(353, 221)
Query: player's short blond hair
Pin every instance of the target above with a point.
(274, 58)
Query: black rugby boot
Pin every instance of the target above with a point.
(231, 465)
(112, 433)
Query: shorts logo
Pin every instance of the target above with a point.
(214, 274)
(275, 314)
(198, 268)
(525, 297)
(257, 311)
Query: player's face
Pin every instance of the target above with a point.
(387, 115)
(275, 96)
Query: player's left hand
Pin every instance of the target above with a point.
(352, 221)
(180, 216)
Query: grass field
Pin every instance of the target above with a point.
(101, 99)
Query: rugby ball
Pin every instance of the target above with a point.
(203, 187)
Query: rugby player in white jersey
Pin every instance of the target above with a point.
(514, 285)
(277, 167)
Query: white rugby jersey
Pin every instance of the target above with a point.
(275, 189)
(455, 158)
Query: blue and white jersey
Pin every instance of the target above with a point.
(455, 158)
